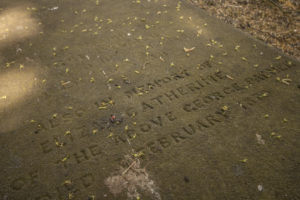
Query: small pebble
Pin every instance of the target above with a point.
(186, 179)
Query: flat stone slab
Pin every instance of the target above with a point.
(136, 99)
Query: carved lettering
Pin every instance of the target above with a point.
(164, 142)
(45, 147)
(81, 156)
(87, 180)
(177, 137)
(146, 106)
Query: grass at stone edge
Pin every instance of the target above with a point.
(276, 22)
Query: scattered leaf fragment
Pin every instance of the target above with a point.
(225, 108)
(228, 76)
(188, 49)
(278, 58)
(109, 21)
(67, 182)
(244, 59)
(59, 144)
(278, 136)
(126, 128)
(273, 134)
(110, 135)
(65, 159)
(68, 132)
(102, 107)
(139, 154)
(259, 139)
(286, 81)
(199, 32)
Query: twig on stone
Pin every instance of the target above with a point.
(126, 170)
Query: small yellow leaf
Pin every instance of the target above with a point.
(188, 49)
(65, 159)
(102, 107)
(139, 154)
(273, 134)
(67, 182)
(225, 108)
(266, 115)
(110, 135)
(278, 58)
(68, 132)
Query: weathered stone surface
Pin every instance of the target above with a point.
(208, 111)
